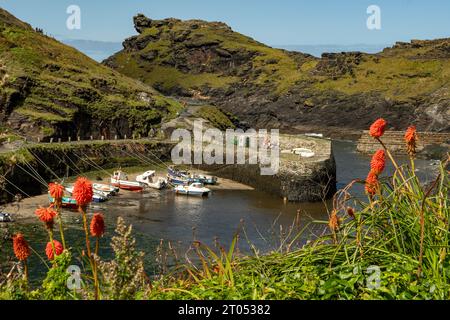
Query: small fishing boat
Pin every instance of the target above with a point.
(98, 196)
(110, 190)
(303, 152)
(174, 172)
(203, 179)
(177, 181)
(5, 217)
(120, 180)
(67, 202)
(148, 179)
(194, 189)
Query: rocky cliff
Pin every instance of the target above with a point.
(50, 89)
(266, 87)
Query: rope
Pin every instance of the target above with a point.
(31, 175)
(20, 190)
(45, 165)
(157, 158)
(92, 164)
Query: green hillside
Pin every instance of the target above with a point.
(50, 89)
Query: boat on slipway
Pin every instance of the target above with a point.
(194, 189)
(107, 189)
(182, 177)
(67, 202)
(150, 180)
(120, 180)
(97, 197)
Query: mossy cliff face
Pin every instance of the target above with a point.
(268, 87)
(50, 89)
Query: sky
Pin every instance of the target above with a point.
(274, 22)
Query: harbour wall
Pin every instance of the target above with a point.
(26, 171)
(429, 143)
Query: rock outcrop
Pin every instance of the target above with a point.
(340, 93)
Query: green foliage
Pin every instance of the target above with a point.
(124, 277)
(216, 117)
(54, 286)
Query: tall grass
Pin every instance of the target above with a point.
(395, 245)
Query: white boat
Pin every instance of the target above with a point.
(150, 180)
(303, 152)
(120, 180)
(107, 189)
(97, 197)
(194, 189)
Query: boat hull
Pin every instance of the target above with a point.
(127, 186)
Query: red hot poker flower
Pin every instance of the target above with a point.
(82, 192)
(377, 128)
(49, 249)
(21, 248)
(372, 184)
(46, 215)
(411, 140)
(97, 225)
(378, 162)
(56, 191)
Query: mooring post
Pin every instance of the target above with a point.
(115, 137)
(9, 140)
(70, 139)
(39, 140)
(92, 138)
(125, 137)
(103, 138)
(59, 140)
(51, 140)
(79, 138)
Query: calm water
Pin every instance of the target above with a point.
(179, 219)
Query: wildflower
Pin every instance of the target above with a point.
(378, 127)
(411, 140)
(372, 183)
(46, 215)
(49, 249)
(97, 225)
(82, 191)
(21, 248)
(334, 222)
(56, 191)
(378, 162)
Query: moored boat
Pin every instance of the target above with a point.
(110, 190)
(67, 202)
(150, 180)
(120, 180)
(194, 189)
(97, 197)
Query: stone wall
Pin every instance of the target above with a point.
(298, 180)
(395, 141)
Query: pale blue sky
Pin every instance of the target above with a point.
(274, 22)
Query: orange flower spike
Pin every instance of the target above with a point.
(411, 140)
(56, 191)
(372, 184)
(334, 222)
(377, 128)
(378, 162)
(21, 248)
(83, 192)
(49, 249)
(46, 215)
(97, 225)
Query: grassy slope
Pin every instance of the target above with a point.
(400, 74)
(64, 81)
(270, 66)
